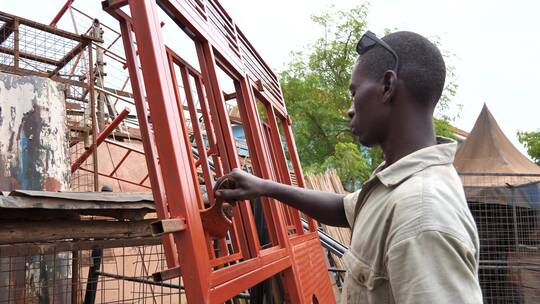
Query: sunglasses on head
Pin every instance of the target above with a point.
(369, 40)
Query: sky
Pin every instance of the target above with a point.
(495, 43)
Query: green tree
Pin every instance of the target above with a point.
(351, 165)
(315, 88)
(531, 141)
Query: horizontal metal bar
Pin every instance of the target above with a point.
(29, 56)
(47, 28)
(23, 72)
(167, 274)
(140, 280)
(131, 102)
(162, 227)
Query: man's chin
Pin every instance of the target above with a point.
(364, 141)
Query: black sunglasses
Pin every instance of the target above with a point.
(369, 40)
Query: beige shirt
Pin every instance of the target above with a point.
(414, 238)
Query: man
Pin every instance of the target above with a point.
(414, 239)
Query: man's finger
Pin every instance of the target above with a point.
(229, 194)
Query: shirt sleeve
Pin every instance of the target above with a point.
(433, 267)
(349, 204)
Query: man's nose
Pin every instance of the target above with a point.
(351, 113)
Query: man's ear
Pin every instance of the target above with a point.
(389, 85)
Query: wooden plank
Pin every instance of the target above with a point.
(27, 249)
(24, 232)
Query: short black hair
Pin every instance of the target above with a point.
(421, 64)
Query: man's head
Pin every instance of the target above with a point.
(380, 94)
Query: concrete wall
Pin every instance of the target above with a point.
(33, 145)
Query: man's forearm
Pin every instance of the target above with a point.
(324, 207)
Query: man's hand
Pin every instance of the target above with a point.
(323, 206)
(247, 187)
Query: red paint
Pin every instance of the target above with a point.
(207, 276)
(51, 184)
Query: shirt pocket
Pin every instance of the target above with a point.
(367, 285)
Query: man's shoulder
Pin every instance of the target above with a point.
(431, 200)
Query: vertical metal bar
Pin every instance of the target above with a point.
(171, 147)
(180, 109)
(281, 164)
(97, 32)
(209, 182)
(93, 276)
(16, 43)
(225, 140)
(152, 162)
(214, 95)
(210, 133)
(287, 129)
(249, 110)
(93, 117)
(252, 126)
(74, 276)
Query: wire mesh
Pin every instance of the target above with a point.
(507, 214)
(112, 275)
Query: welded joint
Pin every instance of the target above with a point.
(162, 227)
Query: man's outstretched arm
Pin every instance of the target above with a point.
(324, 207)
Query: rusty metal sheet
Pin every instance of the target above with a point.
(18, 202)
(118, 197)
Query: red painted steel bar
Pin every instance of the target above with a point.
(225, 142)
(282, 163)
(210, 277)
(210, 133)
(170, 140)
(100, 138)
(152, 162)
(61, 12)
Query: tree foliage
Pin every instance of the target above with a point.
(315, 87)
(531, 141)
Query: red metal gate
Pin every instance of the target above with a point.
(190, 142)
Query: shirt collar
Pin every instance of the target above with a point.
(440, 154)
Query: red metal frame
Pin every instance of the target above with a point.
(240, 262)
(61, 13)
(129, 151)
(100, 138)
